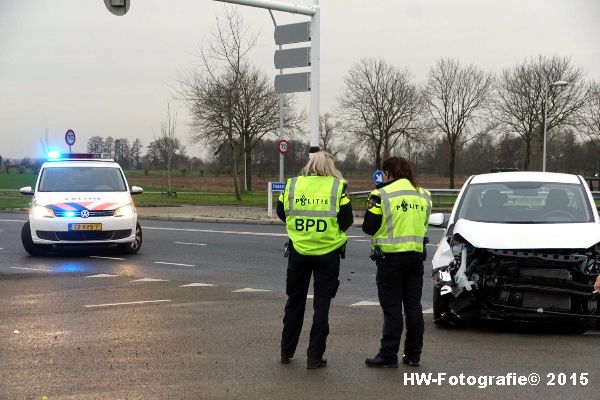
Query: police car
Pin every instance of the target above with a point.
(81, 199)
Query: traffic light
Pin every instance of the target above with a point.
(117, 7)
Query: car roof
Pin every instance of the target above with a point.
(81, 163)
(525, 176)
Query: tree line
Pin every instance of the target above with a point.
(461, 119)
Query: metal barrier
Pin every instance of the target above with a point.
(434, 192)
(439, 192)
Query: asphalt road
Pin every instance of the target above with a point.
(138, 332)
(235, 255)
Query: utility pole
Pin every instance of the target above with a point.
(280, 95)
(297, 82)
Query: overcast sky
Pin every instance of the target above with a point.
(71, 64)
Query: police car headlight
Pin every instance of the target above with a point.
(41, 212)
(125, 211)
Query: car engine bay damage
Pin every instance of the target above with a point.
(522, 284)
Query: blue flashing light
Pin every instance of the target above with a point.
(53, 154)
(70, 214)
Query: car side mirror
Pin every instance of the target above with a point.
(437, 219)
(136, 190)
(26, 191)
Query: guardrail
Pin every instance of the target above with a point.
(439, 192)
(434, 192)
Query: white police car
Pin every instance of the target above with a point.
(81, 199)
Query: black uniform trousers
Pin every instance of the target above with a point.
(400, 283)
(326, 270)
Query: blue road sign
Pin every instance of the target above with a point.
(378, 177)
(277, 186)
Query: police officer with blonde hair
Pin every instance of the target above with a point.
(317, 212)
(396, 218)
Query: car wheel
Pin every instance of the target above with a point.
(133, 247)
(440, 307)
(32, 248)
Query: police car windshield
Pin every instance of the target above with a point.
(81, 179)
(525, 203)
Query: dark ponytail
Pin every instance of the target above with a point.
(399, 168)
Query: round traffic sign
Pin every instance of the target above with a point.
(70, 137)
(283, 146)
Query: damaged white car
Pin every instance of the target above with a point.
(520, 246)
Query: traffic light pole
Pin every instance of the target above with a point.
(281, 174)
(314, 12)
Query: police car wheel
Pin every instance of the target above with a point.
(133, 247)
(32, 248)
(440, 306)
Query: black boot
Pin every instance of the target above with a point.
(408, 361)
(313, 363)
(379, 362)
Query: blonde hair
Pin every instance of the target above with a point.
(322, 163)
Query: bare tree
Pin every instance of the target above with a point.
(211, 93)
(520, 96)
(327, 134)
(454, 95)
(95, 144)
(108, 146)
(380, 105)
(167, 144)
(232, 103)
(136, 152)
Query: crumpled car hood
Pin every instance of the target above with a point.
(528, 236)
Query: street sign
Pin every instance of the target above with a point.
(70, 137)
(290, 83)
(283, 146)
(378, 177)
(292, 58)
(117, 7)
(277, 186)
(292, 33)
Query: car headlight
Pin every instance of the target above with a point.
(125, 211)
(41, 212)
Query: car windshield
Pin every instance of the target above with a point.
(525, 203)
(81, 179)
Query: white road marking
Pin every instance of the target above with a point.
(11, 220)
(199, 285)
(150, 280)
(592, 332)
(191, 244)
(33, 269)
(170, 263)
(108, 258)
(124, 304)
(1, 248)
(250, 290)
(428, 311)
(101, 276)
(214, 231)
(365, 303)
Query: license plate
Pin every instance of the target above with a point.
(85, 227)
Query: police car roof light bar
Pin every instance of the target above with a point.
(56, 156)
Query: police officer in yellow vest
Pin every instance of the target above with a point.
(396, 218)
(317, 212)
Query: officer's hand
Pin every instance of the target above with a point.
(597, 285)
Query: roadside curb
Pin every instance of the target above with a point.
(228, 220)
